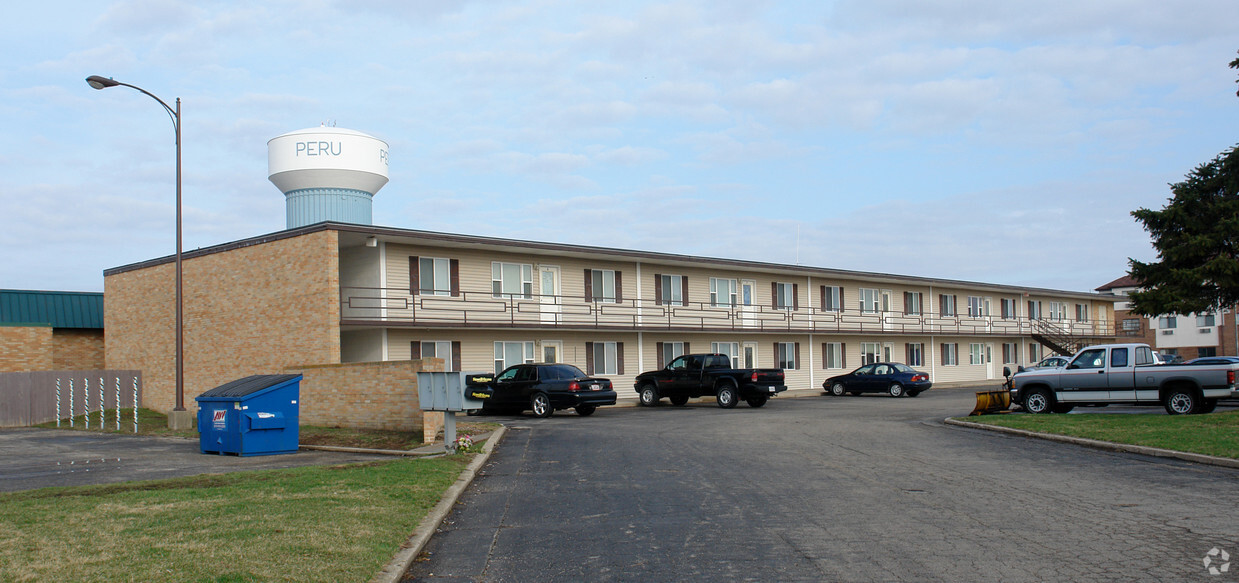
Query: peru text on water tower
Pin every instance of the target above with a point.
(327, 174)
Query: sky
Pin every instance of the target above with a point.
(999, 142)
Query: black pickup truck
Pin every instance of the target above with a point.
(697, 375)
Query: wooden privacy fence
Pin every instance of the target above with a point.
(31, 398)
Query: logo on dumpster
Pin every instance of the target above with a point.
(219, 419)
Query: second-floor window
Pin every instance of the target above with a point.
(1008, 309)
(976, 306)
(672, 289)
(1034, 313)
(1166, 322)
(722, 292)
(434, 276)
(832, 298)
(1081, 312)
(946, 305)
(511, 280)
(1058, 311)
(603, 285)
(1204, 321)
(785, 296)
(869, 298)
(912, 304)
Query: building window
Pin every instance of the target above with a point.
(447, 350)
(671, 289)
(785, 296)
(1010, 352)
(1205, 321)
(832, 355)
(832, 298)
(949, 358)
(723, 292)
(912, 303)
(602, 285)
(976, 307)
(1008, 308)
(785, 355)
(604, 358)
(1131, 324)
(669, 351)
(434, 276)
(976, 353)
(511, 280)
(1081, 312)
(1034, 311)
(870, 352)
(731, 349)
(946, 305)
(916, 354)
(869, 298)
(1058, 311)
(1204, 351)
(1167, 322)
(1034, 352)
(512, 353)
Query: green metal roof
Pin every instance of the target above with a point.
(55, 308)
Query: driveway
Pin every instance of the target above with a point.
(39, 458)
(824, 489)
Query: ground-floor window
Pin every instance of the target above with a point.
(731, 349)
(869, 352)
(669, 351)
(1034, 352)
(447, 350)
(511, 353)
(976, 353)
(916, 354)
(604, 358)
(832, 354)
(1010, 352)
(949, 357)
(786, 354)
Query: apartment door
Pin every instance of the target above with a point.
(549, 295)
(750, 355)
(990, 373)
(748, 288)
(552, 351)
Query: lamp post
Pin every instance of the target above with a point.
(180, 418)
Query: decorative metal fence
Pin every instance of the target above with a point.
(95, 399)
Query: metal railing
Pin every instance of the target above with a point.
(392, 306)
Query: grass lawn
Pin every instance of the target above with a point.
(1214, 434)
(329, 523)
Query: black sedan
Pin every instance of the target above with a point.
(892, 378)
(542, 388)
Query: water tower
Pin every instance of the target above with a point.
(327, 174)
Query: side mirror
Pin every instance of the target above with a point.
(1072, 366)
(1006, 371)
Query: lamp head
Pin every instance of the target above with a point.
(101, 82)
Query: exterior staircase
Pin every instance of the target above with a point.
(1058, 339)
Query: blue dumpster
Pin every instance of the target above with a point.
(256, 415)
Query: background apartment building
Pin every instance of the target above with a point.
(1187, 335)
(338, 293)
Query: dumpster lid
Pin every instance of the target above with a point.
(249, 385)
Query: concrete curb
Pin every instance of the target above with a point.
(394, 570)
(1105, 445)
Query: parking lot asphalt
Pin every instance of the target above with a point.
(40, 458)
(863, 488)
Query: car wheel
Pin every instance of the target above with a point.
(757, 401)
(1038, 401)
(541, 405)
(837, 389)
(679, 400)
(586, 410)
(1181, 402)
(649, 395)
(727, 396)
(896, 390)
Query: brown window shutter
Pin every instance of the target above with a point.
(619, 358)
(456, 358)
(589, 285)
(662, 360)
(686, 350)
(415, 350)
(796, 305)
(824, 348)
(942, 357)
(455, 277)
(774, 295)
(619, 287)
(843, 354)
(589, 357)
(823, 303)
(776, 355)
(414, 278)
(797, 356)
(684, 289)
(658, 290)
(907, 354)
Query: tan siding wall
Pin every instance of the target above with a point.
(78, 349)
(253, 310)
(26, 348)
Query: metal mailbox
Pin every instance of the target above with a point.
(444, 391)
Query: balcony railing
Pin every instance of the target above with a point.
(391, 306)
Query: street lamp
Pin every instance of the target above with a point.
(176, 420)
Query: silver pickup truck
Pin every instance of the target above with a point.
(1127, 374)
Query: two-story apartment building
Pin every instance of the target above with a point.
(337, 293)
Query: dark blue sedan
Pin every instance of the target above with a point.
(892, 378)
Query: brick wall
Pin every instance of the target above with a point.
(77, 349)
(25, 348)
(363, 395)
(255, 309)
